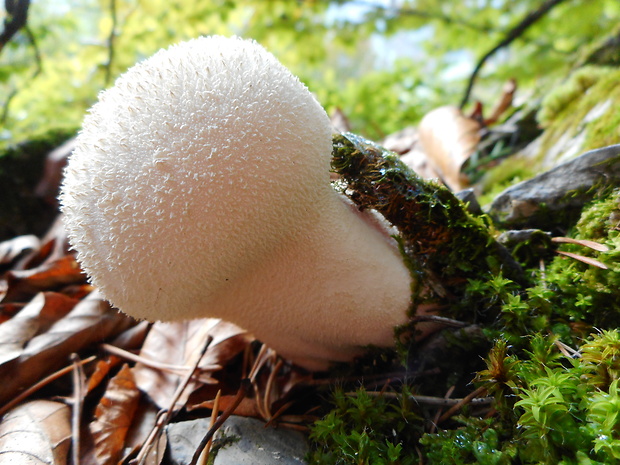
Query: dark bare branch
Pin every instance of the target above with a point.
(16, 17)
(510, 36)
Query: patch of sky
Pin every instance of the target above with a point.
(459, 65)
(402, 44)
(387, 50)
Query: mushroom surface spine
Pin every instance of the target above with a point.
(200, 186)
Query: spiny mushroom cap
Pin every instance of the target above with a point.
(198, 164)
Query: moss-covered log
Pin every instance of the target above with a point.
(445, 244)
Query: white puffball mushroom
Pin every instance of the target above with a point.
(200, 187)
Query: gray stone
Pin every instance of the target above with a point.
(183, 440)
(554, 198)
(511, 238)
(258, 444)
(243, 440)
(468, 197)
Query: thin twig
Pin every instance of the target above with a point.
(150, 438)
(259, 362)
(279, 413)
(434, 401)
(77, 404)
(590, 244)
(44, 382)
(440, 411)
(174, 369)
(270, 383)
(165, 418)
(204, 457)
(469, 399)
(37, 53)
(543, 272)
(567, 350)
(38, 69)
(581, 258)
(440, 319)
(246, 384)
(16, 18)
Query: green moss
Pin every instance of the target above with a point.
(551, 408)
(442, 242)
(477, 442)
(579, 115)
(558, 100)
(364, 429)
(552, 404)
(603, 52)
(601, 219)
(572, 296)
(564, 111)
(502, 176)
(558, 411)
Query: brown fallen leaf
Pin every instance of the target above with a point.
(23, 284)
(406, 143)
(17, 247)
(586, 243)
(418, 161)
(114, 416)
(90, 322)
(581, 258)
(505, 102)
(246, 408)
(145, 418)
(402, 141)
(101, 371)
(179, 344)
(54, 245)
(35, 318)
(9, 310)
(132, 338)
(448, 138)
(36, 433)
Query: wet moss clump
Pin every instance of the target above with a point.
(368, 429)
(444, 244)
(579, 115)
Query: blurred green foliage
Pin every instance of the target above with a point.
(383, 63)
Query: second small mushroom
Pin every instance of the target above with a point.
(200, 186)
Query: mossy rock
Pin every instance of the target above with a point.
(577, 116)
(553, 200)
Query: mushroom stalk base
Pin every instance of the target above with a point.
(326, 294)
